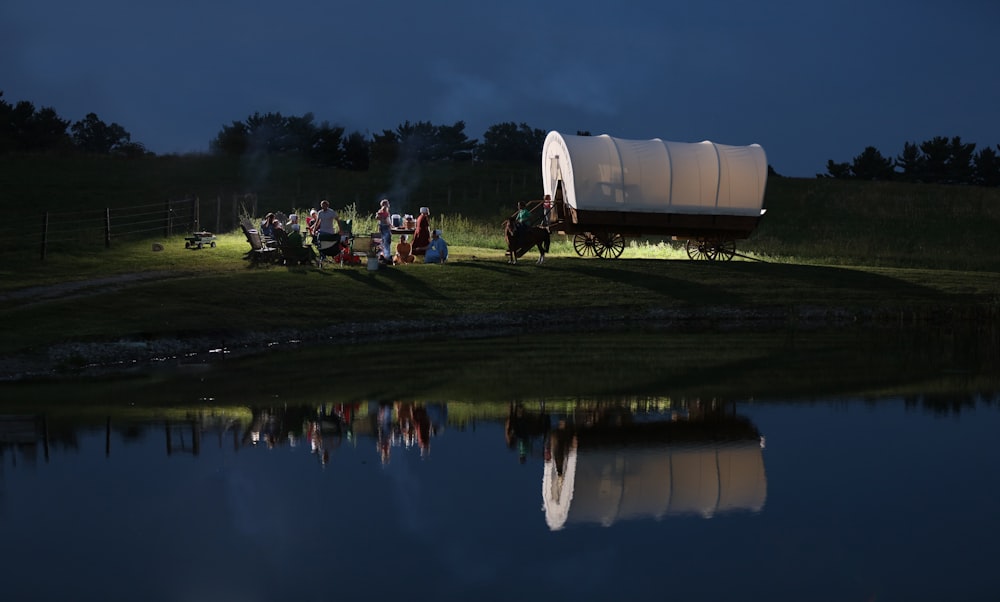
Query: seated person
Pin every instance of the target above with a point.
(437, 252)
(300, 252)
(293, 223)
(267, 226)
(404, 252)
(523, 218)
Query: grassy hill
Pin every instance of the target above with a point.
(811, 220)
(827, 252)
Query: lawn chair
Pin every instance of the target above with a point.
(259, 252)
(291, 250)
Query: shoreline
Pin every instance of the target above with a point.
(77, 359)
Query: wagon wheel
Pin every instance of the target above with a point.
(610, 246)
(699, 249)
(724, 249)
(584, 244)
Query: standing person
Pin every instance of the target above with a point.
(546, 209)
(325, 224)
(324, 231)
(385, 229)
(422, 234)
(437, 252)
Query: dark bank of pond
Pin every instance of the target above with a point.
(655, 360)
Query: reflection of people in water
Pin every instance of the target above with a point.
(384, 432)
(561, 442)
(423, 428)
(405, 424)
(521, 426)
(404, 418)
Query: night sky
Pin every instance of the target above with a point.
(809, 81)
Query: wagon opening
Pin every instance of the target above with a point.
(604, 189)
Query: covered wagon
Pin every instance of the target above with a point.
(603, 189)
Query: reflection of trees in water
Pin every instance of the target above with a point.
(951, 403)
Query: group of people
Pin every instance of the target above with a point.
(524, 218)
(331, 235)
(425, 242)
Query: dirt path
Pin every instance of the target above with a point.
(80, 288)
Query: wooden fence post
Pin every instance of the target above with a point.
(196, 213)
(170, 221)
(218, 213)
(45, 232)
(107, 227)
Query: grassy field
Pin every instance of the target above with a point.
(871, 252)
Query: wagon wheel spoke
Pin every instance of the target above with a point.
(614, 245)
(600, 247)
(697, 249)
(725, 250)
(583, 244)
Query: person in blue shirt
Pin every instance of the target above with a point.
(437, 252)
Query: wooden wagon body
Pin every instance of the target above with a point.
(603, 189)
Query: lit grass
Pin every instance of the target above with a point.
(915, 250)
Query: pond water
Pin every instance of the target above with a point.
(871, 491)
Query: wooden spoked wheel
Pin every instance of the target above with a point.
(610, 245)
(585, 244)
(724, 250)
(711, 250)
(698, 249)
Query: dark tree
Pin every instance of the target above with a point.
(327, 146)
(130, 150)
(837, 170)
(425, 142)
(417, 140)
(356, 152)
(511, 142)
(91, 135)
(276, 134)
(23, 129)
(452, 144)
(871, 165)
(46, 131)
(937, 153)
(986, 167)
(385, 147)
(910, 162)
(233, 140)
(959, 164)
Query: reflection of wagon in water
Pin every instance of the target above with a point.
(604, 189)
(617, 467)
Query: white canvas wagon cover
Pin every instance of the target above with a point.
(603, 173)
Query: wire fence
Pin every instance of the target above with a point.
(63, 231)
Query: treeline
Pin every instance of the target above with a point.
(25, 129)
(328, 145)
(940, 160)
